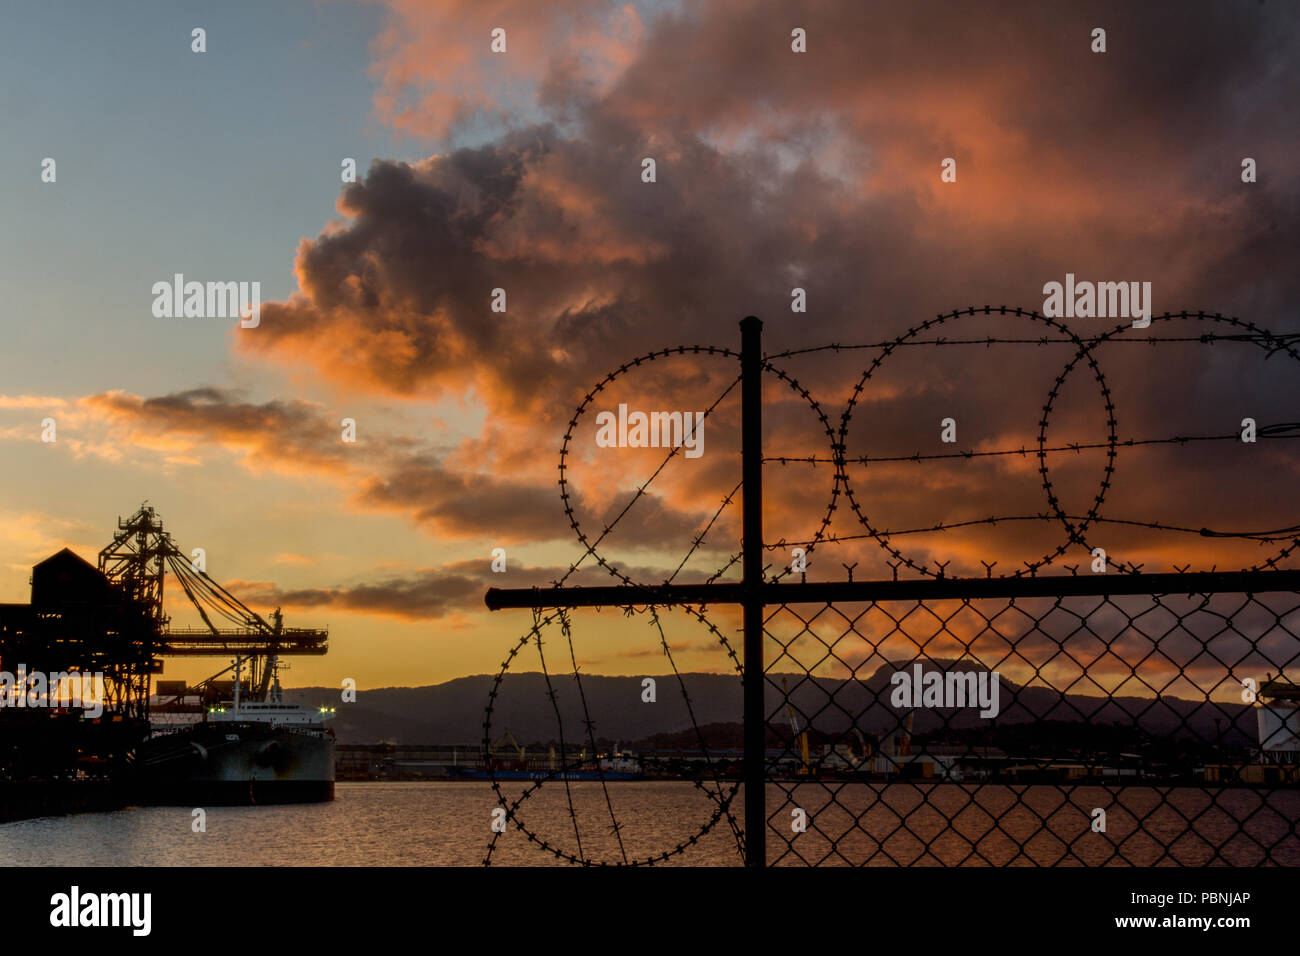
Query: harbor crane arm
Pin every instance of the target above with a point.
(142, 551)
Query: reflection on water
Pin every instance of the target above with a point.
(420, 824)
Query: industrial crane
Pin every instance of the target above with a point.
(802, 737)
(517, 745)
(137, 560)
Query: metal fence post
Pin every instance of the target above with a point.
(751, 454)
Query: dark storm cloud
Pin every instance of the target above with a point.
(821, 171)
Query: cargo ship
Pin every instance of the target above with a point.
(615, 765)
(240, 752)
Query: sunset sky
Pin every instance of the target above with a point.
(523, 171)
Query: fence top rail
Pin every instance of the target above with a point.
(813, 592)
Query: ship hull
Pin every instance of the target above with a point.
(230, 764)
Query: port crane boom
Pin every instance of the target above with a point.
(137, 560)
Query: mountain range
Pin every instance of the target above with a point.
(453, 712)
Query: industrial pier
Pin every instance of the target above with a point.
(108, 620)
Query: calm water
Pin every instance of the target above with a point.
(416, 824)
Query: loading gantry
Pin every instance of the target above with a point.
(137, 561)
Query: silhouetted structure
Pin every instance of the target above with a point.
(110, 621)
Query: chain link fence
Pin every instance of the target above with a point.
(1088, 730)
(1022, 719)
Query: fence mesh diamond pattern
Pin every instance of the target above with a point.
(1123, 736)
